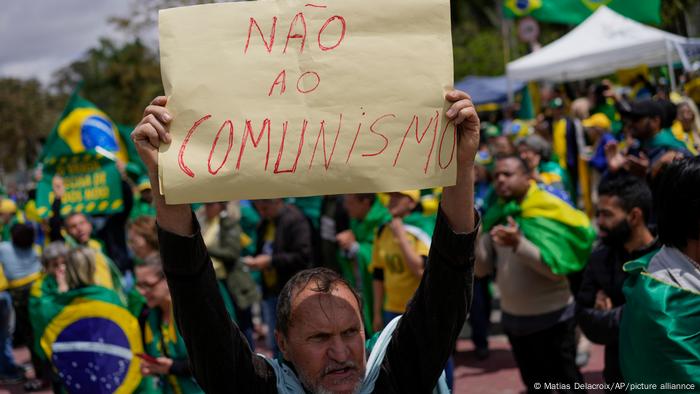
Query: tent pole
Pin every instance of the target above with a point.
(669, 60)
(509, 87)
(505, 34)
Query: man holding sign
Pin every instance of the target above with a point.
(306, 92)
(320, 328)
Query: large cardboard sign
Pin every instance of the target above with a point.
(290, 98)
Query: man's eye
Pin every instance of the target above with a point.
(350, 333)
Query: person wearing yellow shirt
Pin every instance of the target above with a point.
(106, 273)
(399, 256)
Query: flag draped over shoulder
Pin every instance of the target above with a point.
(90, 338)
(421, 226)
(573, 12)
(661, 326)
(562, 233)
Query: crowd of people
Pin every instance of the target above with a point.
(588, 230)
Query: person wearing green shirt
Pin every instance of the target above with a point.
(143, 201)
(537, 153)
(162, 341)
(366, 215)
(8, 209)
(660, 341)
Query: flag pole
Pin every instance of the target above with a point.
(505, 34)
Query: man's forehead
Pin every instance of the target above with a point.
(338, 305)
(610, 202)
(336, 293)
(78, 217)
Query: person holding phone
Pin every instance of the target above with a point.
(166, 355)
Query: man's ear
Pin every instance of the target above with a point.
(282, 343)
(636, 216)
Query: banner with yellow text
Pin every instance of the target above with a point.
(290, 98)
(92, 182)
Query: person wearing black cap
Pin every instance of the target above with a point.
(647, 122)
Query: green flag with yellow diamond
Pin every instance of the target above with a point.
(573, 12)
(83, 148)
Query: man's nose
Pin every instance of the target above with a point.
(338, 350)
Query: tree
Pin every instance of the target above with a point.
(28, 112)
(673, 15)
(120, 80)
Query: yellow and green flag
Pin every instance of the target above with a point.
(563, 234)
(573, 12)
(92, 182)
(83, 128)
(90, 339)
(84, 147)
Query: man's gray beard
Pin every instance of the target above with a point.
(321, 390)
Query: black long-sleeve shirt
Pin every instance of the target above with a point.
(604, 272)
(222, 361)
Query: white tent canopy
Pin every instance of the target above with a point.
(600, 45)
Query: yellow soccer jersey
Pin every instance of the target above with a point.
(399, 281)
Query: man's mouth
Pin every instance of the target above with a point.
(340, 372)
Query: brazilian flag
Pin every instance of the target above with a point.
(90, 339)
(83, 127)
(573, 12)
(660, 328)
(562, 233)
(84, 147)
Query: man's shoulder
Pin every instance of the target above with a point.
(599, 260)
(599, 253)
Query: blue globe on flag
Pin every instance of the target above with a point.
(92, 355)
(98, 131)
(523, 5)
(92, 344)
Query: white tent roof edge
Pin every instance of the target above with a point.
(600, 45)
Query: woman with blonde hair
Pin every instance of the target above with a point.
(80, 268)
(686, 127)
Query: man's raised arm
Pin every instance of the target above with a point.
(219, 354)
(427, 332)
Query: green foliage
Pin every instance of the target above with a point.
(673, 12)
(27, 112)
(119, 79)
(477, 51)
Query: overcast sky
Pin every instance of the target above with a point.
(38, 37)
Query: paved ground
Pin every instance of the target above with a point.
(497, 374)
(21, 357)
